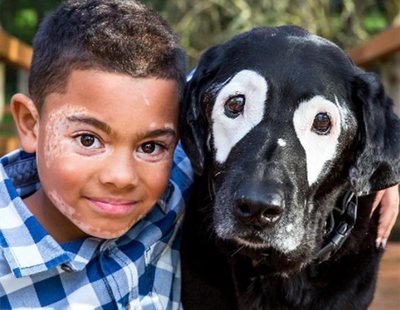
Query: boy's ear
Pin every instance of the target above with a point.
(26, 118)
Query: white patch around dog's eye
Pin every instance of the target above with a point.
(317, 124)
(238, 108)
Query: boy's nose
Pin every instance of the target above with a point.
(119, 171)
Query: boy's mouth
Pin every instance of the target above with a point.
(111, 206)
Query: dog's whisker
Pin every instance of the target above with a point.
(218, 173)
(238, 250)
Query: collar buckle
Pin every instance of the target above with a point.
(345, 216)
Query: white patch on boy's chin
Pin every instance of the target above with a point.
(77, 219)
(228, 131)
(319, 149)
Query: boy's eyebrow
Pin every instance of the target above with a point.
(90, 121)
(161, 132)
(107, 129)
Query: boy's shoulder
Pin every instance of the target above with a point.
(18, 172)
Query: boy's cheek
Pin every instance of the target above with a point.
(157, 179)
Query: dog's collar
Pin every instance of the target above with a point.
(340, 223)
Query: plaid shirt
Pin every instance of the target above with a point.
(139, 270)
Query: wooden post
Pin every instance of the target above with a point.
(22, 81)
(380, 46)
(383, 50)
(14, 52)
(390, 73)
(2, 88)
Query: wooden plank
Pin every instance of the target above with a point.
(2, 89)
(8, 144)
(383, 44)
(14, 52)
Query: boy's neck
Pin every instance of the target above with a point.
(52, 220)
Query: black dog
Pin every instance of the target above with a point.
(288, 139)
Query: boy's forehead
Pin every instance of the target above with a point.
(78, 80)
(109, 96)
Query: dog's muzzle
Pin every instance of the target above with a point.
(258, 204)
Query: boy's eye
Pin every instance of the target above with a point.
(150, 147)
(153, 151)
(88, 141)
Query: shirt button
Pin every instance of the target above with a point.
(66, 268)
(128, 307)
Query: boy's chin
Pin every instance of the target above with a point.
(98, 232)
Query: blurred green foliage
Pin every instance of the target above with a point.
(201, 24)
(346, 22)
(21, 17)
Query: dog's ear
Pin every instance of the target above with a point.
(193, 124)
(377, 164)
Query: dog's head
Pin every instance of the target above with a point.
(284, 123)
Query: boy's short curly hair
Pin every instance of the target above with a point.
(121, 36)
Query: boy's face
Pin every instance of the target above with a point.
(104, 151)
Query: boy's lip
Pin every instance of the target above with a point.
(112, 206)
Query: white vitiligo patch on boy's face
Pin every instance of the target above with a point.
(154, 125)
(319, 148)
(146, 100)
(228, 131)
(80, 222)
(56, 127)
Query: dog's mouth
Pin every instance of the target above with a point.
(253, 242)
(266, 257)
(269, 257)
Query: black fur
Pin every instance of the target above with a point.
(220, 272)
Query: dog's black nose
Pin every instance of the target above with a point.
(258, 205)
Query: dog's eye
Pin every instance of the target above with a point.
(321, 124)
(234, 106)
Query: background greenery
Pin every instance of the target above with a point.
(202, 23)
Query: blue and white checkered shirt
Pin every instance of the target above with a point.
(139, 270)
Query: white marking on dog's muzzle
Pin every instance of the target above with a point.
(227, 131)
(281, 142)
(319, 148)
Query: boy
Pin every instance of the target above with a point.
(88, 216)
